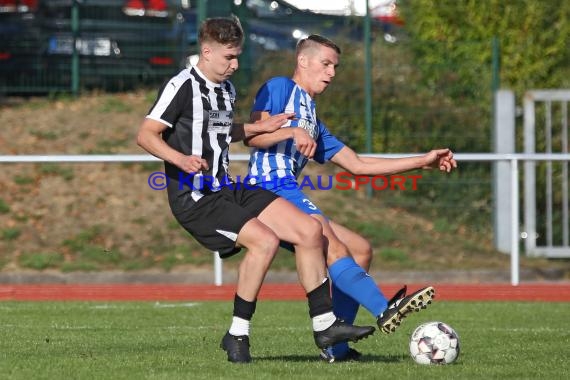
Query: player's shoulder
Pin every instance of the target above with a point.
(280, 82)
(179, 83)
(273, 93)
(182, 77)
(281, 87)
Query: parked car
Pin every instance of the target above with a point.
(384, 13)
(299, 23)
(118, 44)
(20, 36)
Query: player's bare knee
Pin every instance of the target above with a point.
(272, 243)
(310, 233)
(363, 255)
(267, 244)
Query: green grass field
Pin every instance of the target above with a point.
(136, 340)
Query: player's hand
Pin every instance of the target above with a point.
(273, 123)
(192, 164)
(441, 159)
(304, 143)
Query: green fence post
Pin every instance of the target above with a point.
(75, 55)
(202, 13)
(368, 87)
(496, 79)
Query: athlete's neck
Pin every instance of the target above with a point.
(203, 69)
(297, 78)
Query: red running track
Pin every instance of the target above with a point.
(554, 292)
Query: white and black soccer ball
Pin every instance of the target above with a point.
(434, 343)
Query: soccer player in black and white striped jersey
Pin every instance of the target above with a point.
(190, 127)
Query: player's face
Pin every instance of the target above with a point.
(218, 62)
(321, 69)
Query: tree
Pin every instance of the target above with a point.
(534, 38)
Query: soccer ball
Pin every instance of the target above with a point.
(434, 343)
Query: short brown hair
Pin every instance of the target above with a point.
(223, 30)
(313, 40)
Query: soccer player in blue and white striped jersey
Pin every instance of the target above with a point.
(276, 162)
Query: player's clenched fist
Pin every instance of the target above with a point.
(192, 164)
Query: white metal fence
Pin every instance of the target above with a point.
(512, 159)
(546, 129)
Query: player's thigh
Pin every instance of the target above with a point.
(328, 231)
(304, 203)
(301, 200)
(291, 224)
(257, 237)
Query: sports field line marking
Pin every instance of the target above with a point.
(69, 327)
(187, 304)
(529, 330)
(107, 306)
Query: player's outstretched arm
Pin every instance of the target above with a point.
(359, 165)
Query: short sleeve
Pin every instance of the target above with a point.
(327, 145)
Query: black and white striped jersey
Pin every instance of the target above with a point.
(200, 116)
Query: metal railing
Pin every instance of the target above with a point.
(513, 159)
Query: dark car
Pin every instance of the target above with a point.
(68, 45)
(111, 44)
(300, 23)
(20, 42)
(385, 20)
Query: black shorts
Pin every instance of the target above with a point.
(217, 218)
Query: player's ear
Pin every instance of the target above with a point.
(302, 60)
(205, 50)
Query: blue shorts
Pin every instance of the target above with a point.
(299, 199)
(302, 201)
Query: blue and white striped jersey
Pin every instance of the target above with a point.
(281, 94)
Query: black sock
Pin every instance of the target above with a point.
(244, 309)
(320, 299)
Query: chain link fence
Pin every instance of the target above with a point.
(71, 46)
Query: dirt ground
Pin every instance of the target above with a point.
(104, 216)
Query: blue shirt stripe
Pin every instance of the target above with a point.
(281, 94)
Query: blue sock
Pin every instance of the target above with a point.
(345, 308)
(352, 280)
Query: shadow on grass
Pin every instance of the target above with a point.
(310, 358)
